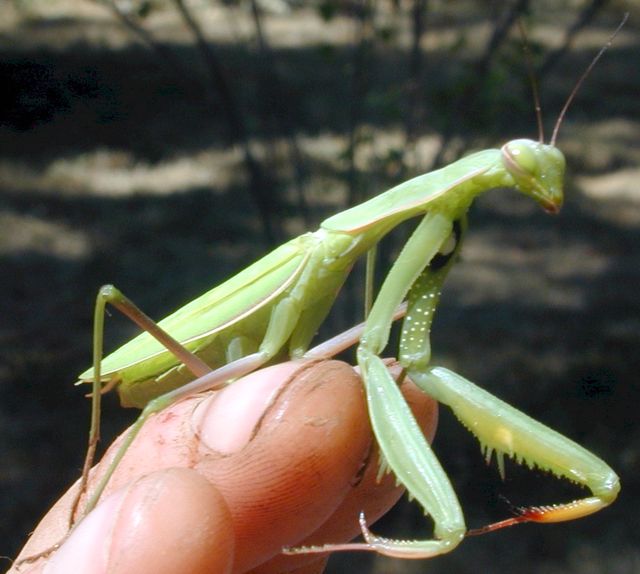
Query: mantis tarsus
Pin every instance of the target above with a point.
(280, 301)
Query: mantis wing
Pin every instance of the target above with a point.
(219, 308)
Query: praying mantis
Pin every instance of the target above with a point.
(280, 301)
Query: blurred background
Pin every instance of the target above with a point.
(164, 144)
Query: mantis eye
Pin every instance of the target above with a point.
(524, 157)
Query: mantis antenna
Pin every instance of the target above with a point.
(532, 79)
(573, 93)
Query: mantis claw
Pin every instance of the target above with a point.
(412, 549)
(368, 545)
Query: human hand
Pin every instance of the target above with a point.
(221, 482)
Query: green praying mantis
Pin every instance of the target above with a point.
(275, 306)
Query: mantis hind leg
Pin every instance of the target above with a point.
(503, 430)
(283, 322)
(108, 294)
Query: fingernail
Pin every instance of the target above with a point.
(225, 422)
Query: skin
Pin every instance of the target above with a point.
(220, 482)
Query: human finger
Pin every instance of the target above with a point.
(370, 493)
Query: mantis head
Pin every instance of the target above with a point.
(538, 171)
(538, 168)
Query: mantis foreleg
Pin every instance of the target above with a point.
(502, 429)
(499, 427)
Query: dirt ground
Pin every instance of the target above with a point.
(114, 168)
